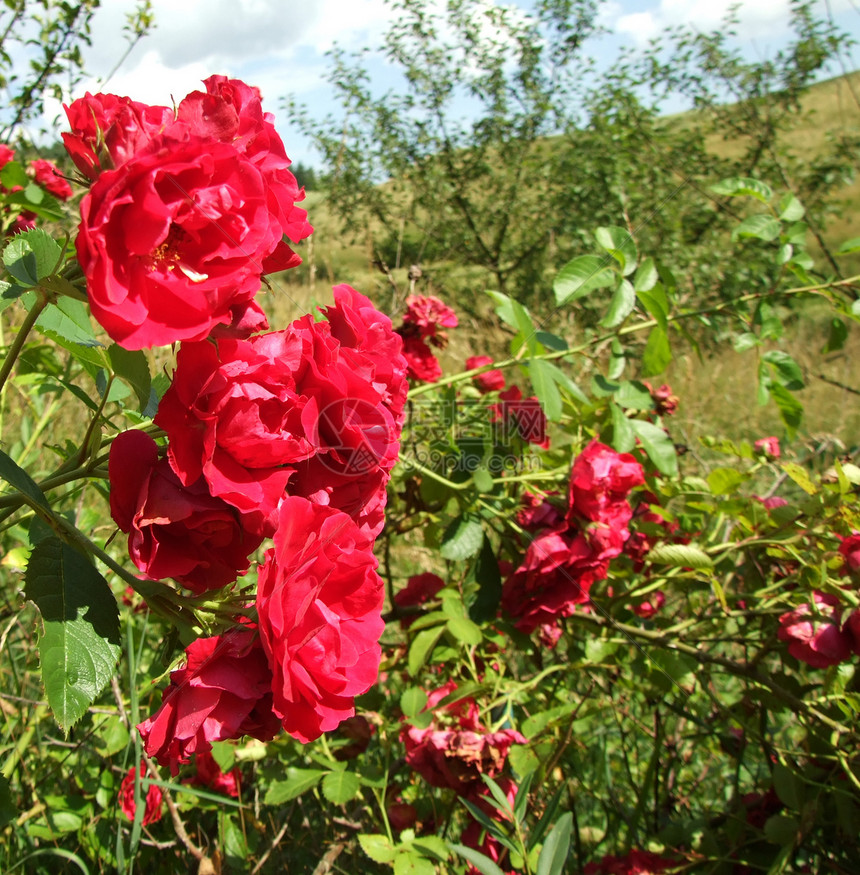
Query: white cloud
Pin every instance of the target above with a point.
(640, 25)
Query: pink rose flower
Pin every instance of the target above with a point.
(7, 154)
(174, 531)
(814, 634)
(849, 549)
(600, 482)
(456, 749)
(223, 691)
(49, 177)
(768, 446)
(488, 381)
(522, 416)
(319, 604)
(209, 775)
(153, 801)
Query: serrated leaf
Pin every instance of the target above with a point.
(634, 395)
(620, 245)
(483, 864)
(656, 302)
(546, 390)
(465, 631)
(70, 320)
(377, 847)
(743, 186)
(800, 476)
(658, 445)
(646, 276)
(621, 306)
(22, 482)
(298, 781)
(32, 256)
(790, 208)
(725, 481)
(761, 227)
(580, 276)
(413, 701)
(80, 643)
(462, 538)
(680, 556)
(553, 855)
(433, 846)
(421, 649)
(340, 787)
(132, 367)
(657, 355)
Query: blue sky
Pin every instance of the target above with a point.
(281, 47)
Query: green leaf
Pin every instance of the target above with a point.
(413, 701)
(725, 481)
(852, 245)
(634, 395)
(432, 846)
(298, 781)
(658, 445)
(340, 787)
(580, 276)
(22, 482)
(657, 355)
(680, 556)
(623, 436)
(14, 175)
(800, 476)
(646, 276)
(465, 631)
(553, 855)
(80, 643)
(421, 649)
(68, 323)
(790, 208)
(623, 302)
(837, 336)
(620, 245)
(656, 302)
(761, 227)
(462, 538)
(483, 864)
(790, 409)
(543, 382)
(743, 186)
(408, 863)
(132, 367)
(32, 256)
(377, 847)
(485, 572)
(787, 370)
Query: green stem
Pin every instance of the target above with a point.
(20, 338)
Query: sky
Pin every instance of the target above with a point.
(282, 54)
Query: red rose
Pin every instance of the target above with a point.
(523, 416)
(246, 319)
(420, 588)
(231, 112)
(108, 130)
(849, 548)
(6, 155)
(49, 177)
(456, 749)
(175, 531)
(634, 863)
(537, 513)
(768, 447)
(154, 797)
(294, 405)
(319, 603)
(24, 221)
(223, 691)
(814, 633)
(173, 239)
(488, 381)
(557, 573)
(421, 364)
(648, 608)
(209, 775)
(427, 314)
(600, 482)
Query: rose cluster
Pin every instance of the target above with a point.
(188, 208)
(289, 435)
(572, 549)
(46, 175)
(421, 329)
